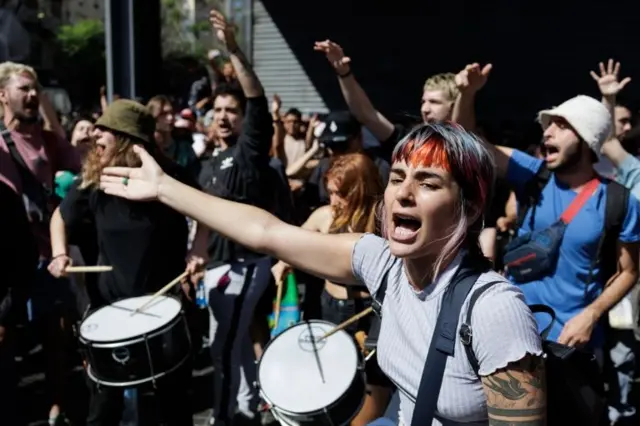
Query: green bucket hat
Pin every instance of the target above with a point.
(130, 118)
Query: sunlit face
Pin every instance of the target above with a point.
(227, 116)
(420, 210)
(292, 124)
(20, 97)
(562, 148)
(228, 70)
(436, 106)
(81, 136)
(623, 120)
(105, 144)
(336, 200)
(166, 119)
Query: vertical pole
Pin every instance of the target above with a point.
(108, 47)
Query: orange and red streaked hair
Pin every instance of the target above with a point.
(358, 182)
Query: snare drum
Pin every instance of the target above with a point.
(125, 350)
(306, 381)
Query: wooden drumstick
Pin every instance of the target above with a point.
(276, 309)
(80, 269)
(161, 292)
(348, 322)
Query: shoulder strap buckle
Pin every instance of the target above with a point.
(466, 334)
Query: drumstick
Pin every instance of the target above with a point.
(348, 322)
(161, 292)
(276, 309)
(99, 268)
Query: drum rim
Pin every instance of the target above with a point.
(136, 382)
(292, 416)
(109, 344)
(359, 372)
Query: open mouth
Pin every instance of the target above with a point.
(224, 127)
(100, 149)
(550, 152)
(405, 227)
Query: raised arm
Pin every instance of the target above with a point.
(246, 76)
(327, 256)
(355, 97)
(469, 81)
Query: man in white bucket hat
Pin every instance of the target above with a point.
(595, 265)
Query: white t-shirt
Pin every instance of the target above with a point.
(504, 331)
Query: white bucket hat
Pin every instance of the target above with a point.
(588, 117)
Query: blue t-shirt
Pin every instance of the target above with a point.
(564, 290)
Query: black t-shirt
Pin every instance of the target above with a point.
(316, 189)
(145, 242)
(241, 173)
(283, 207)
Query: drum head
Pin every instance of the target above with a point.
(115, 322)
(290, 373)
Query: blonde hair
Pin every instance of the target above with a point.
(445, 82)
(123, 157)
(9, 69)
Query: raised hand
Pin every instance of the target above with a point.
(133, 183)
(276, 104)
(335, 55)
(473, 78)
(223, 30)
(608, 79)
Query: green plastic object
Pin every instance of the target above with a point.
(63, 182)
(289, 307)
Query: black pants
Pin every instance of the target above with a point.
(170, 402)
(8, 378)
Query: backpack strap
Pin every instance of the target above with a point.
(466, 331)
(532, 191)
(442, 345)
(378, 298)
(615, 211)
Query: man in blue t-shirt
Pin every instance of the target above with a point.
(573, 135)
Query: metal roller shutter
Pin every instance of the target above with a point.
(278, 68)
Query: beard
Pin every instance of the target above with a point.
(570, 161)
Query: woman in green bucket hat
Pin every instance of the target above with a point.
(145, 244)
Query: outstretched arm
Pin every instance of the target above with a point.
(354, 95)
(246, 76)
(327, 256)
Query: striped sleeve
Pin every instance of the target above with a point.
(369, 261)
(504, 329)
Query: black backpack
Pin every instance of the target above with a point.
(575, 387)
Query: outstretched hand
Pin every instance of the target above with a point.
(223, 30)
(473, 78)
(140, 183)
(608, 79)
(335, 55)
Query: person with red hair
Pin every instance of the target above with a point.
(354, 187)
(440, 182)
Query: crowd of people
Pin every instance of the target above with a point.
(237, 193)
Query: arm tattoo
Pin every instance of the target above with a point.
(246, 76)
(516, 395)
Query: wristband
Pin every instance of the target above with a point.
(59, 255)
(346, 74)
